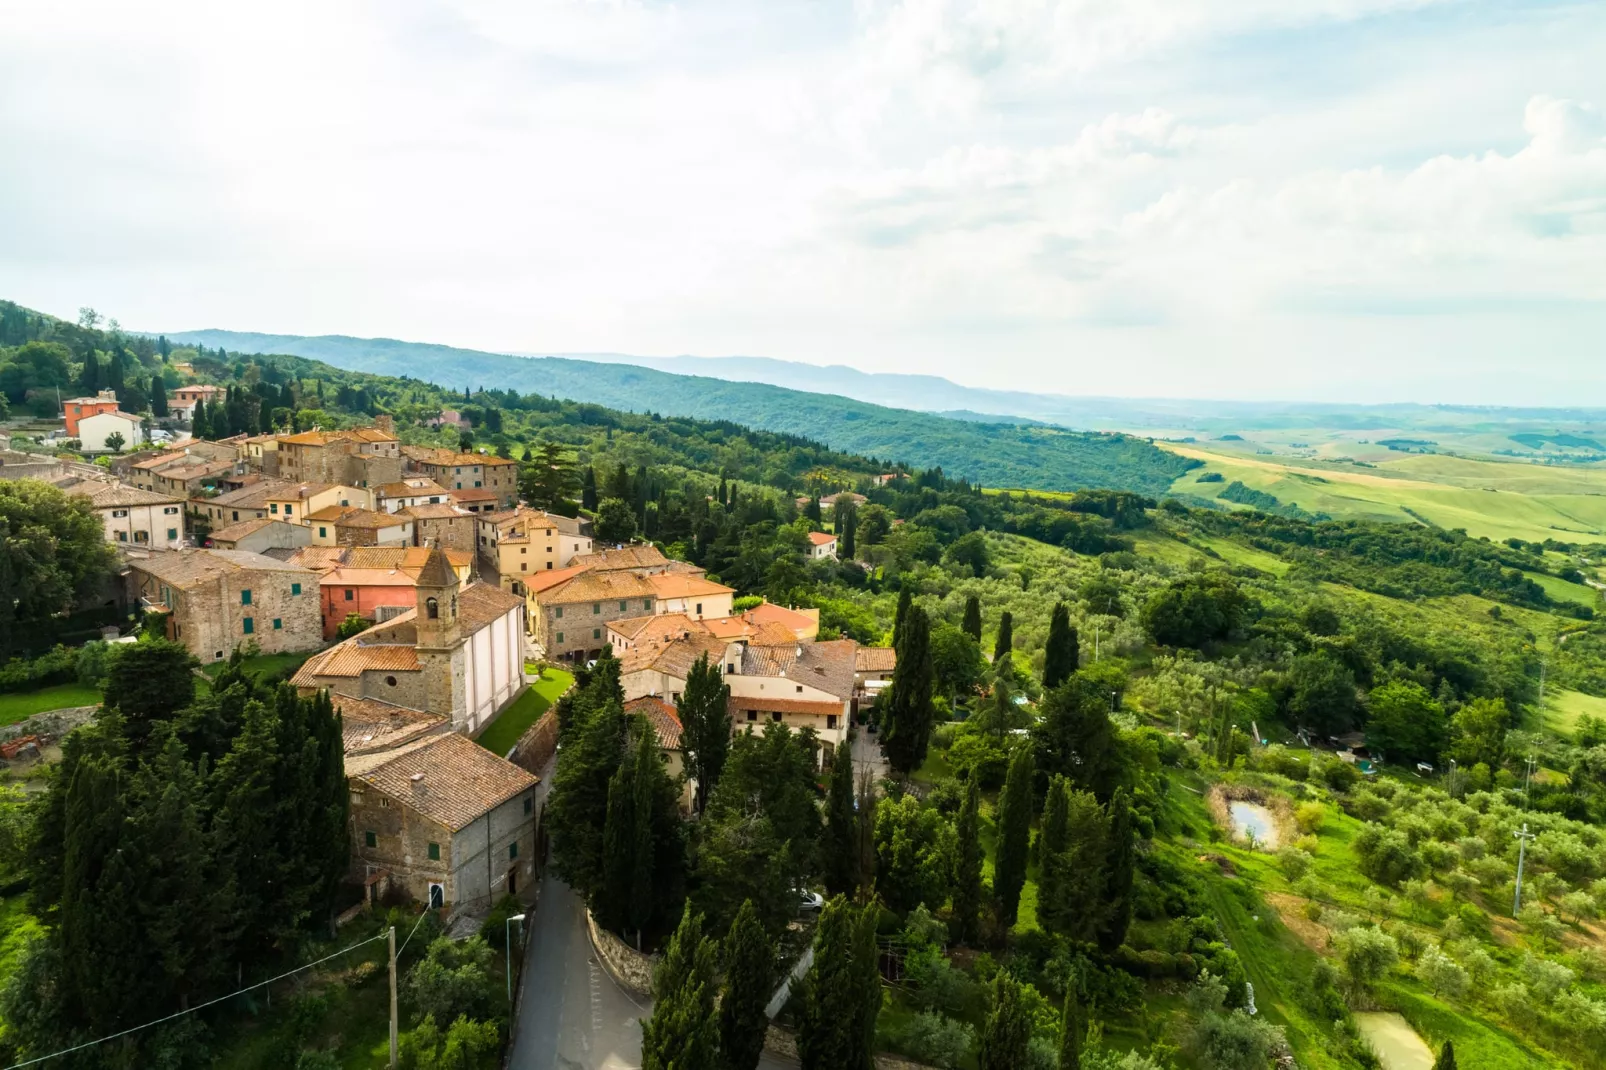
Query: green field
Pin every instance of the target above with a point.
(1563, 708)
(1485, 497)
(262, 664)
(500, 735)
(24, 704)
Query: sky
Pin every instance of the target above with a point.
(1334, 200)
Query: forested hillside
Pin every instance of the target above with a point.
(1001, 454)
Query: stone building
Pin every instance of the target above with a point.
(517, 542)
(362, 456)
(216, 600)
(572, 614)
(260, 535)
(443, 525)
(468, 471)
(444, 819)
(408, 491)
(135, 517)
(377, 583)
(337, 525)
(803, 685)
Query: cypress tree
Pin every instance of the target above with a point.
(1079, 884)
(612, 901)
(588, 490)
(1008, 1028)
(841, 993)
(705, 726)
(1014, 833)
(89, 378)
(158, 396)
(576, 811)
(1006, 636)
(905, 601)
(683, 1032)
(1446, 1059)
(845, 517)
(749, 956)
(1052, 905)
(644, 791)
(971, 625)
(967, 865)
(1060, 655)
(812, 511)
(1118, 874)
(907, 722)
(1072, 1027)
(199, 428)
(841, 848)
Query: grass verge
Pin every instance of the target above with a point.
(500, 735)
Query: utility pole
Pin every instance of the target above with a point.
(507, 953)
(393, 997)
(1527, 783)
(1095, 642)
(1522, 852)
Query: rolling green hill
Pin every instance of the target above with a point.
(997, 454)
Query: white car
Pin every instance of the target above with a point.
(807, 900)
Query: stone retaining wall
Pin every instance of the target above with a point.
(783, 1043)
(624, 964)
(52, 724)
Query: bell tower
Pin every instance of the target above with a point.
(436, 594)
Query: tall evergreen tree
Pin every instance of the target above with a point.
(845, 518)
(577, 810)
(906, 724)
(1077, 887)
(1005, 642)
(705, 726)
(588, 490)
(149, 682)
(840, 849)
(749, 956)
(1052, 904)
(89, 380)
(1118, 866)
(812, 511)
(901, 614)
(967, 866)
(200, 426)
(1446, 1059)
(683, 1032)
(1060, 654)
(1008, 1028)
(841, 993)
(158, 397)
(1072, 1026)
(971, 625)
(1014, 835)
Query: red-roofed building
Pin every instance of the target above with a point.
(821, 546)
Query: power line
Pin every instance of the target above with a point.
(199, 1007)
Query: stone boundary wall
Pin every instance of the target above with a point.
(782, 1043)
(629, 967)
(51, 724)
(538, 744)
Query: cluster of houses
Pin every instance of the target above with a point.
(275, 542)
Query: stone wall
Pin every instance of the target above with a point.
(783, 1042)
(539, 742)
(51, 725)
(624, 964)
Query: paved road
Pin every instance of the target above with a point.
(573, 1016)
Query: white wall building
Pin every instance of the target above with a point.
(93, 431)
(135, 517)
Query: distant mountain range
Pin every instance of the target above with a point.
(1009, 450)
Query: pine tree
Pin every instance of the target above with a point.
(1052, 904)
(1446, 1059)
(158, 397)
(1006, 636)
(967, 866)
(1060, 654)
(906, 724)
(749, 957)
(705, 726)
(841, 993)
(1072, 1026)
(972, 622)
(1008, 1028)
(1119, 862)
(1014, 833)
(839, 849)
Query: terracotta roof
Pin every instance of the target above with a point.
(323, 438)
(641, 627)
(201, 470)
(820, 538)
(724, 627)
(346, 576)
(161, 460)
(550, 578)
(441, 456)
(319, 558)
(875, 659)
(243, 528)
(473, 494)
(410, 488)
(357, 517)
(663, 718)
(190, 568)
(295, 492)
(447, 778)
(802, 623)
(116, 495)
(672, 585)
(674, 658)
(479, 604)
(827, 666)
(253, 497)
(432, 511)
(639, 556)
(589, 586)
(403, 557)
(782, 705)
(353, 658)
(368, 725)
(127, 417)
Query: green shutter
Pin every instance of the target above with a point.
(434, 852)
(277, 624)
(295, 588)
(370, 840)
(513, 849)
(245, 597)
(250, 625)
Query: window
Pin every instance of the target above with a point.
(623, 605)
(170, 510)
(699, 609)
(434, 852)
(172, 534)
(323, 532)
(295, 589)
(558, 613)
(646, 603)
(250, 625)
(288, 509)
(549, 549)
(549, 565)
(560, 637)
(524, 549)
(236, 514)
(529, 805)
(274, 508)
(278, 625)
(830, 720)
(370, 840)
(122, 536)
(350, 594)
(119, 512)
(775, 715)
(596, 633)
(524, 566)
(390, 681)
(245, 596)
(476, 482)
(596, 607)
(513, 850)
(800, 689)
(752, 715)
(432, 609)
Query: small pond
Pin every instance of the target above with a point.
(1253, 820)
(1396, 1043)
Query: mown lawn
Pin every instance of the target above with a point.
(262, 664)
(500, 735)
(24, 704)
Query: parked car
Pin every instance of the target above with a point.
(807, 900)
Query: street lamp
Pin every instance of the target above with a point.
(507, 952)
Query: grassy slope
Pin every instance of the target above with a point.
(1563, 708)
(1500, 500)
(500, 735)
(17, 706)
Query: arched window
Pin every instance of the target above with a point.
(454, 605)
(432, 609)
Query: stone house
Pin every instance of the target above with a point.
(135, 517)
(691, 594)
(476, 500)
(293, 501)
(443, 525)
(572, 614)
(377, 583)
(807, 685)
(339, 525)
(408, 491)
(217, 599)
(468, 471)
(232, 507)
(259, 452)
(873, 663)
(459, 652)
(361, 456)
(445, 819)
(198, 392)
